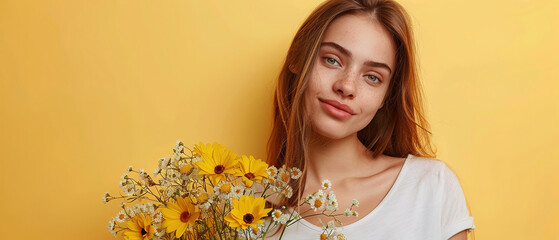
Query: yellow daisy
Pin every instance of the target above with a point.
(252, 170)
(247, 211)
(216, 161)
(180, 215)
(139, 228)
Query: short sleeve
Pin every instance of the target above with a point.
(455, 216)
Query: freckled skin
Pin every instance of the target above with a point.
(347, 79)
(336, 153)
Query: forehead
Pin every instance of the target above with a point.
(364, 37)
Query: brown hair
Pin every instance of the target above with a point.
(398, 128)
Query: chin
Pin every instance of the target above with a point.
(331, 132)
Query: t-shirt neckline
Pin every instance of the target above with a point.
(376, 209)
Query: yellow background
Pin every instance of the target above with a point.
(88, 88)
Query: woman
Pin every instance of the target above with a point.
(348, 108)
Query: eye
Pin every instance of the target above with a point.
(331, 61)
(373, 78)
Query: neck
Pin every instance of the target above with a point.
(335, 159)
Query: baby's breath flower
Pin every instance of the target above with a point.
(157, 217)
(129, 189)
(172, 175)
(111, 226)
(129, 169)
(177, 156)
(124, 176)
(283, 218)
(164, 183)
(347, 212)
(332, 203)
(354, 202)
(296, 173)
(196, 159)
(354, 213)
(326, 184)
(331, 224)
(171, 192)
(179, 147)
(158, 231)
(107, 197)
(206, 205)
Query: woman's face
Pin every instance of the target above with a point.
(350, 76)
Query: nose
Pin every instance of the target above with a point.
(345, 85)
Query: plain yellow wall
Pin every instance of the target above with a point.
(90, 87)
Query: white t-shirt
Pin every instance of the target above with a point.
(426, 202)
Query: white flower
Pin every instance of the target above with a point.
(158, 231)
(331, 224)
(106, 197)
(111, 226)
(223, 190)
(283, 176)
(287, 191)
(354, 213)
(237, 191)
(317, 203)
(276, 214)
(206, 205)
(121, 216)
(179, 147)
(172, 175)
(150, 207)
(130, 211)
(122, 183)
(347, 212)
(354, 202)
(129, 189)
(326, 184)
(196, 159)
(255, 232)
(177, 155)
(296, 173)
(129, 169)
(124, 176)
(157, 217)
(164, 162)
(284, 218)
(272, 171)
(332, 203)
(171, 192)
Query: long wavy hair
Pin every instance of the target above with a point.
(399, 128)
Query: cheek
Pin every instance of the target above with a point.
(369, 110)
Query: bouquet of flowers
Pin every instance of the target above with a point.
(211, 193)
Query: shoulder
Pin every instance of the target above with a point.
(424, 166)
(432, 171)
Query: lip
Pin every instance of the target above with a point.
(336, 108)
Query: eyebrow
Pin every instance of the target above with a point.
(348, 53)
